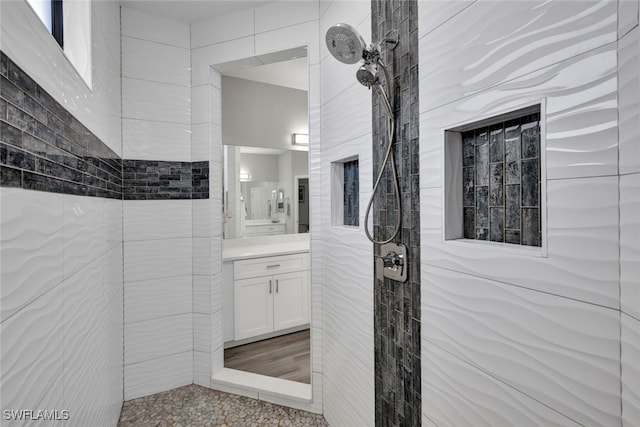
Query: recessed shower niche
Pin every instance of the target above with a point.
(494, 179)
(345, 192)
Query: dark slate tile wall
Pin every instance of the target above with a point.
(162, 180)
(397, 305)
(501, 182)
(351, 193)
(43, 147)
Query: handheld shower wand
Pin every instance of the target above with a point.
(347, 46)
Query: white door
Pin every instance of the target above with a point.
(253, 303)
(290, 300)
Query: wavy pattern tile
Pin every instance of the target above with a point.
(630, 244)
(560, 352)
(31, 255)
(83, 232)
(629, 100)
(582, 260)
(508, 40)
(160, 102)
(457, 394)
(581, 114)
(630, 371)
(31, 351)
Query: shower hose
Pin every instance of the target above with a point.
(389, 157)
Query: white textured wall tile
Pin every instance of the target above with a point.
(630, 244)
(509, 40)
(627, 15)
(630, 371)
(455, 393)
(284, 14)
(153, 140)
(202, 332)
(289, 37)
(112, 219)
(222, 28)
(155, 376)
(145, 26)
(85, 348)
(146, 60)
(153, 299)
(83, 231)
(32, 241)
(200, 143)
(156, 259)
(202, 368)
(629, 101)
(202, 224)
(31, 354)
(202, 58)
(560, 352)
(153, 101)
(200, 105)
(202, 294)
(157, 219)
(433, 13)
(346, 117)
(582, 261)
(157, 338)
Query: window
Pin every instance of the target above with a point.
(69, 22)
(50, 13)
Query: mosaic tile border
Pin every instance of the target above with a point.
(44, 148)
(397, 326)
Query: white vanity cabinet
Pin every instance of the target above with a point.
(270, 294)
(264, 230)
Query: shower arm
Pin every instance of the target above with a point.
(390, 138)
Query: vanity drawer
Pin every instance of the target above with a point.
(265, 266)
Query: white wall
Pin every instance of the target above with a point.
(513, 339)
(159, 248)
(246, 34)
(61, 260)
(262, 115)
(346, 254)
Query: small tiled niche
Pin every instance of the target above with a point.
(494, 179)
(345, 192)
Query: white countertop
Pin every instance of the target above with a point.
(254, 247)
(261, 222)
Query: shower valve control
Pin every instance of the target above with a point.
(393, 262)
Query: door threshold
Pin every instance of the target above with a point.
(269, 389)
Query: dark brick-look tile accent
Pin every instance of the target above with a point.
(44, 148)
(397, 305)
(351, 193)
(162, 180)
(501, 182)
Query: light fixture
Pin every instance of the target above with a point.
(245, 177)
(300, 139)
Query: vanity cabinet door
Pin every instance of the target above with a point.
(253, 314)
(290, 300)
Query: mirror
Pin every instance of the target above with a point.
(259, 194)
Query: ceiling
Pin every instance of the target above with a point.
(192, 10)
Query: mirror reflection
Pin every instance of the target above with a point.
(266, 191)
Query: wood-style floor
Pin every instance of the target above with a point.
(287, 357)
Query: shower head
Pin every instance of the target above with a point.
(367, 75)
(345, 43)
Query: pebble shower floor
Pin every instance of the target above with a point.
(194, 405)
